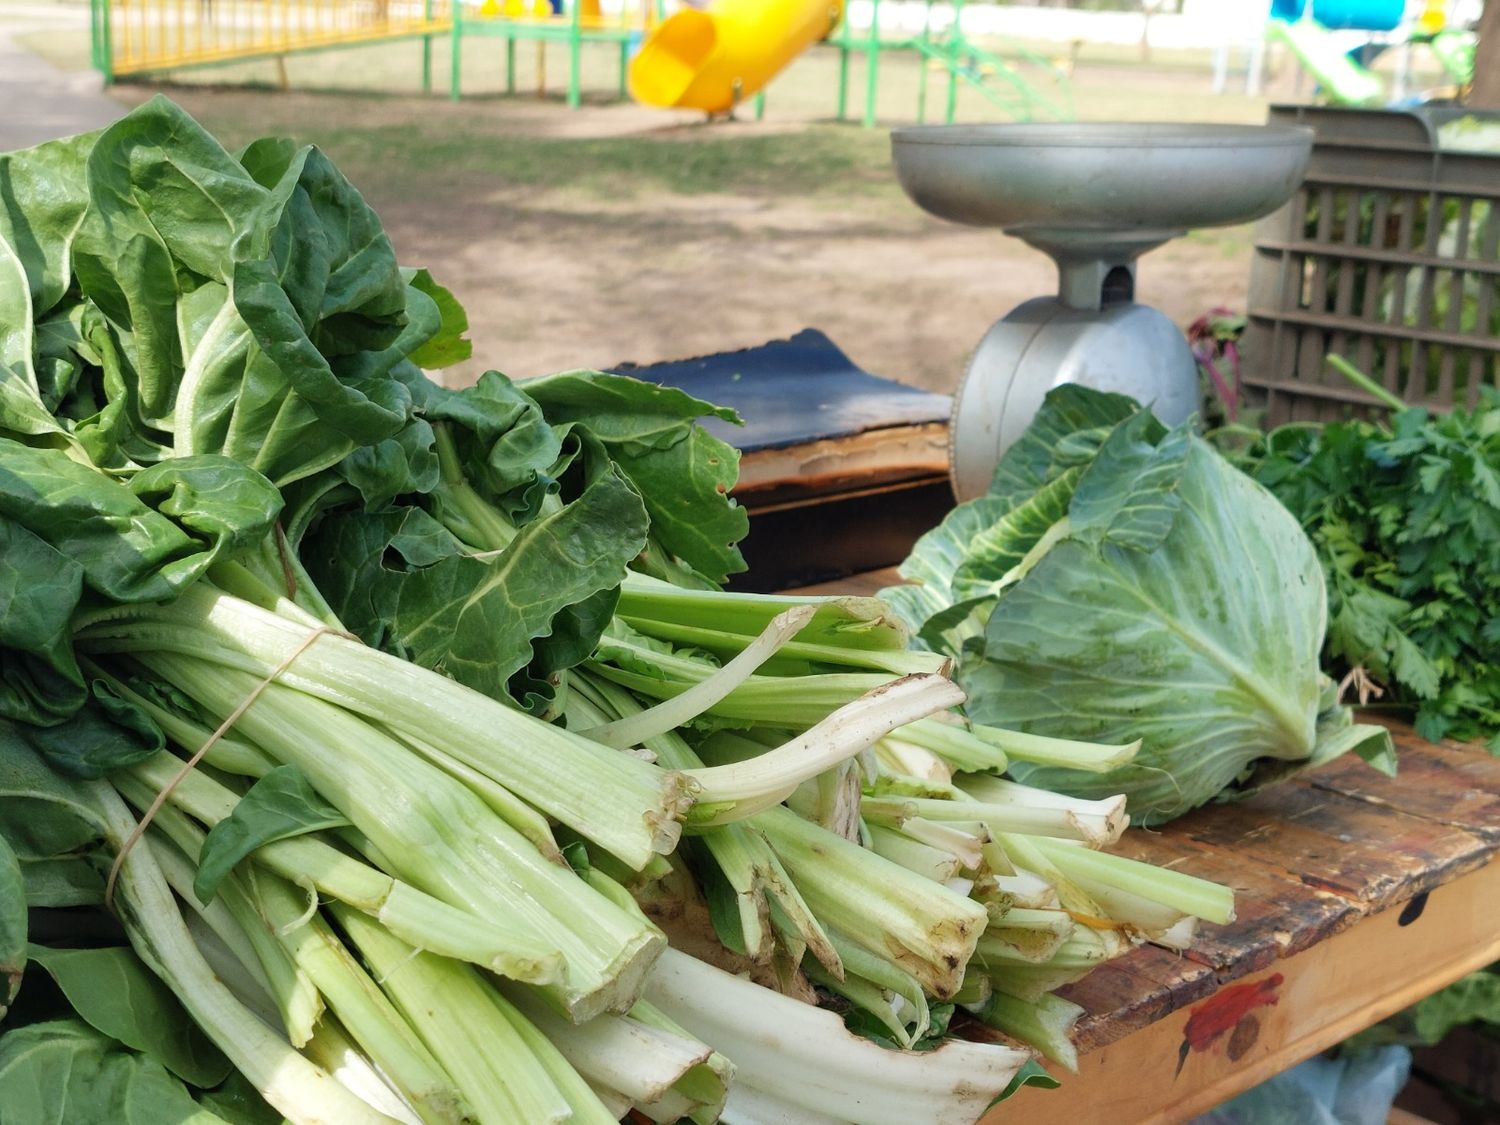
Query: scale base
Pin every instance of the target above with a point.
(1124, 347)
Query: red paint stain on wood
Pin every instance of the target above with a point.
(1218, 1015)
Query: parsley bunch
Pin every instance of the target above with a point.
(1406, 519)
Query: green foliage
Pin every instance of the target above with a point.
(1123, 581)
(1032, 1073)
(1471, 999)
(96, 1036)
(448, 346)
(65, 1070)
(12, 926)
(682, 471)
(119, 997)
(278, 806)
(1406, 520)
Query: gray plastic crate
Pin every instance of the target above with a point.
(1389, 255)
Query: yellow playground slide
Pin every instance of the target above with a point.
(714, 58)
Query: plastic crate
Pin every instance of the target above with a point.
(1389, 255)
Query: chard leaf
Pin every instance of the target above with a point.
(21, 407)
(105, 734)
(128, 551)
(44, 820)
(575, 632)
(506, 447)
(1205, 648)
(13, 906)
(239, 1103)
(632, 414)
(162, 192)
(221, 502)
(62, 882)
(113, 992)
(447, 346)
(684, 473)
(280, 805)
(404, 463)
(686, 488)
(64, 1070)
(475, 620)
(402, 582)
(43, 197)
(330, 301)
(77, 528)
(360, 562)
(39, 590)
(256, 307)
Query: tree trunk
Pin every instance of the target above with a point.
(1485, 92)
(1148, 9)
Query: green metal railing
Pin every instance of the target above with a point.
(965, 63)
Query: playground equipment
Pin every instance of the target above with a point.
(712, 59)
(946, 48)
(1309, 31)
(539, 21)
(141, 36)
(1094, 198)
(1342, 80)
(709, 58)
(137, 37)
(706, 60)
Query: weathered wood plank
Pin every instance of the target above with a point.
(866, 584)
(1447, 783)
(1202, 1054)
(1326, 840)
(1274, 916)
(1133, 991)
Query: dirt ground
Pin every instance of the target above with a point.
(753, 231)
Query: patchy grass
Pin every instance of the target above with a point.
(403, 158)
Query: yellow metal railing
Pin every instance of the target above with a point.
(133, 36)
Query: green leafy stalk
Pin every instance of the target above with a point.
(623, 804)
(283, 1077)
(442, 838)
(836, 1073)
(310, 861)
(923, 927)
(454, 1011)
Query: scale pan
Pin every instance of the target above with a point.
(1117, 180)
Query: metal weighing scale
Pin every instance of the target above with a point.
(1094, 197)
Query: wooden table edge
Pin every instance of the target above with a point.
(1294, 1009)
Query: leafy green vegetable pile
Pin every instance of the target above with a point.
(1120, 582)
(364, 743)
(1405, 515)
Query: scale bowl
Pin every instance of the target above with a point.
(1100, 184)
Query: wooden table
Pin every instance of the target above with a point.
(1356, 895)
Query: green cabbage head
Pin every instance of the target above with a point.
(1123, 581)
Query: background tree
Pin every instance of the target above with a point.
(1485, 92)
